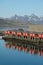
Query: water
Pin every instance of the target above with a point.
(16, 27)
(9, 56)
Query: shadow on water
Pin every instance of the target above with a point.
(25, 47)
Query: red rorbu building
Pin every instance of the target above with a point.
(25, 34)
(7, 32)
(40, 35)
(32, 35)
(19, 34)
(13, 33)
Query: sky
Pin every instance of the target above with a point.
(9, 8)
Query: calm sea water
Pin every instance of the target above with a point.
(9, 56)
(8, 28)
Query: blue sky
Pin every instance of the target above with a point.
(9, 8)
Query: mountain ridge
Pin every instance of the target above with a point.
(21, 21)
(34, 19)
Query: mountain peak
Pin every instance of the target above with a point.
(34, 19)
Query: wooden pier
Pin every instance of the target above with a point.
(25, 37)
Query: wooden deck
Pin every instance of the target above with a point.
(24, 40)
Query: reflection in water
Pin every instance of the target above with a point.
(32, 49)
